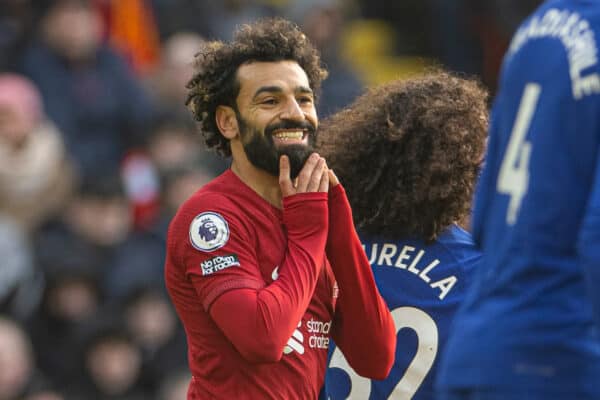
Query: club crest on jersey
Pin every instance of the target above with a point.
(209, 231)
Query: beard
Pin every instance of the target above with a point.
(262, 152)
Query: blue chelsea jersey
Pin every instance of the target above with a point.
(422, 285)
(528, 320)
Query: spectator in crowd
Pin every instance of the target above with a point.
(16, 359)
(168, 83)
(171, 148)
(71, 299)
(111, 363)
(323, 21)
(175, 385)
(98, 221)
(173, 144)
(33, 160)
(183, 164)
(16, 26)
(21, 281)
(165, 172)
(98, 216)
(88, 91)
(228, 15)
(18, 373)
(180, 183)
(139, 260)
(155, 329)
(409, 153)
(174, 16)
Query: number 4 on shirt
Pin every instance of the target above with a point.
(514, 172)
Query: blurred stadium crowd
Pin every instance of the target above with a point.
(97, 151)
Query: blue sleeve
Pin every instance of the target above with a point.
(589, 245)
(486, 182)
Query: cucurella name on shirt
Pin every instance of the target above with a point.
(578, 39)
(389, 255)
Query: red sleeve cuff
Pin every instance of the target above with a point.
(336, 193)
(302, 197)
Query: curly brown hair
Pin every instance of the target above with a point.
(215, 81)
(409, 152)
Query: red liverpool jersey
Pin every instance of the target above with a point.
(227, 237)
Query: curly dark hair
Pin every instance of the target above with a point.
(409, 152)
(215, 82)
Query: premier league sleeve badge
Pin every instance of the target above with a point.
(209, 231)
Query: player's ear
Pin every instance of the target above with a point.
(227, 121)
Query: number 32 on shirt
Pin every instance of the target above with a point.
(408, 384)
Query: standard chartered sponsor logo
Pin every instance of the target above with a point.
(319, 333)
(318, 337)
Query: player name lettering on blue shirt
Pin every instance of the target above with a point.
(576, 36)
(409, 259)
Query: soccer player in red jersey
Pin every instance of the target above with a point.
(263, 264)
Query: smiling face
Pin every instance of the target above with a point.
(276, 114)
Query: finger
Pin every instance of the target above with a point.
(324, 185)
(315, 179)
(333, 179)
(285, 183)
(306, 172)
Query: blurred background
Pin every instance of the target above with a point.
(97, 152)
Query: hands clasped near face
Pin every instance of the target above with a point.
(314, 176)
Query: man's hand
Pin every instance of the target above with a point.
(313, 177)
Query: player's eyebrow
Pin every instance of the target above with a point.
(278, 89)
(268, 89)
(304, 89)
